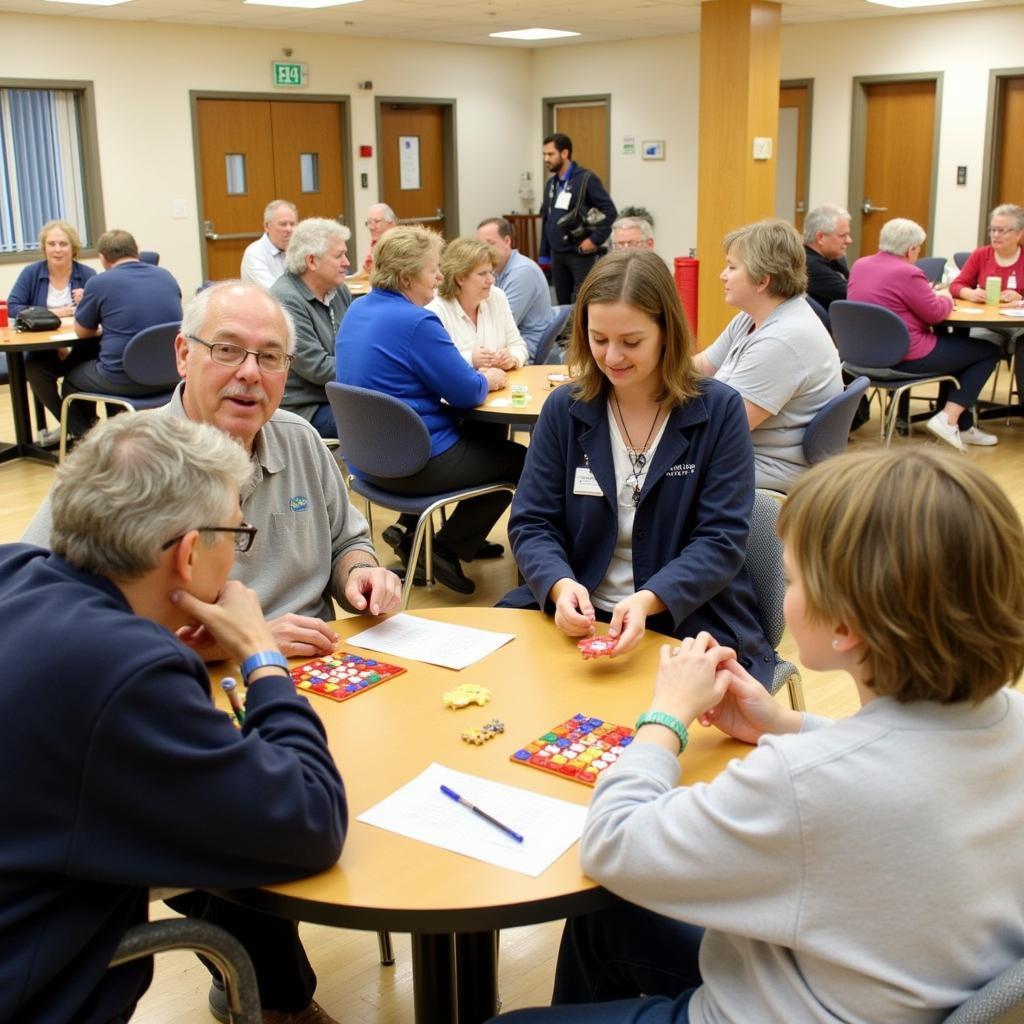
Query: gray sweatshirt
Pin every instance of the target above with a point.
(863, 871)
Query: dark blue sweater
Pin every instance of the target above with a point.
(117, 774)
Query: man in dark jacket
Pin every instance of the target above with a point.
(576, 197)
(826, 239)
(117, 773)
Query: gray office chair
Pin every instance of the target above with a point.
(872, 340)
(385, 438)
(551, 334)
(764, 566)
(149, 361)
(1001, 1001)
(934, 267)
(150, 257)
(225, 952)
(829, 430)
(820, 312)
(960, 258)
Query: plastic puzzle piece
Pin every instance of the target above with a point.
(480, 735)
(466, 694)
(580, 748)
(596, 646)
(342, 675)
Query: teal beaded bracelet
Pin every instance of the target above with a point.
(669, 721)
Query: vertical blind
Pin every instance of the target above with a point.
(41, 174)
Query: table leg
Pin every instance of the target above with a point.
(433, 979)
(24, 445)
(476, 976)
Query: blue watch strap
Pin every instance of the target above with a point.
(264, 658)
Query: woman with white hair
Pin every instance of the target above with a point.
(1003, 257)
(891, 278)
(312, 289)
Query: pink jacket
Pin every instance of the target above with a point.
(891, 281)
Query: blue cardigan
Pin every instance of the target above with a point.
(691, 526)
(389, 344)
(34, 280)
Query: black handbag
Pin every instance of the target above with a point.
(36, 318)
(579, 222)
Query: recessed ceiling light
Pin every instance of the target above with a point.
(91, 3)
(309, 4)
(533, 33)
(920, 3)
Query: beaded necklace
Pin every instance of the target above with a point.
(637, 456)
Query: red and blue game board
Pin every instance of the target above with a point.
(342, 675)
(580, 748)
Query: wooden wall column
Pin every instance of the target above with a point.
(739, 100)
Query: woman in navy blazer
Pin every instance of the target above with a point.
(634, 504)
(56, 281)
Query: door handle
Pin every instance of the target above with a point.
(211, 236)
(801, 207)
(866, 207)
(439, 216)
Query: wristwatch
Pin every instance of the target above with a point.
(261, 660)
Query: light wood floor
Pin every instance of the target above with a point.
(353, 986)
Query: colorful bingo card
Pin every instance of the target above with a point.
(342, 675)
(580, 748)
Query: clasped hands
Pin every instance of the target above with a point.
(500, 358)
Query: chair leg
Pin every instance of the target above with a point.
(387, 952)
(795, 685)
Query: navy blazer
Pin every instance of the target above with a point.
(31, 286)
(551, 233)
(691, 525)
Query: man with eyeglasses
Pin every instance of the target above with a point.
(121, 773)
(632, 234)
(380, 219)
(826, 239)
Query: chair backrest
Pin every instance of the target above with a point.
(1001, 1001)
(829, 429)
(550, 335)
(960, 258)
(820, 312)
(149, 356)
(764, 565)
(933, 266)
(379, 435)
(148, 256)
(867, 334)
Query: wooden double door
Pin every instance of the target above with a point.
(254, 150)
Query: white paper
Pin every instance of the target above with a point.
(498, 403)
(421, 811)
(409, 162)
(1016, 313)
(66, 336)
(438, 643)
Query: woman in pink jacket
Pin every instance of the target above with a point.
(890, 278)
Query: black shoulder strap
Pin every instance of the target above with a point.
(581, 195)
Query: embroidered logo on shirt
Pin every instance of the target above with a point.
(682, 469)
(299, 503)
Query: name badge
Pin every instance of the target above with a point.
(563, 200)
(586, 483)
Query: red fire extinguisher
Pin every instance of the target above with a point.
(687, 270)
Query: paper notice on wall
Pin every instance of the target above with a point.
(409, 162)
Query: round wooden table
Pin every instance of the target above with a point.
(498, 408)
(980, 314)
(381, 739)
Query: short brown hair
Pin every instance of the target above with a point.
(641, 280)
(61, 225)
(461, 257)
(117, 245)
(771, 248)
(913, 550)
(401, 254)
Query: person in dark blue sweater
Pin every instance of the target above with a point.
(117, 773)
(634, 504)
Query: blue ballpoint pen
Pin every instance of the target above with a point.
(483, 814)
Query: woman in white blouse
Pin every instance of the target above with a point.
(474, 312)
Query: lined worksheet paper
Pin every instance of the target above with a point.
(438, 643)
(421, 811)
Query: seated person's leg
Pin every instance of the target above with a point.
(655, 1010)
(283, 972)
(44, 369)
(323, 420)
(86, 376)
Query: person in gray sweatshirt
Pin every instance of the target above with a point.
(861, 870)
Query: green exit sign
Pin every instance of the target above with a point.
(289, 76)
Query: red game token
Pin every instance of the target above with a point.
(596, 646)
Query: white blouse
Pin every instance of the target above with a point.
(495, 327)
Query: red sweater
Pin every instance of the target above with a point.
(981, 264)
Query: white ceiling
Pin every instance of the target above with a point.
(463, 21)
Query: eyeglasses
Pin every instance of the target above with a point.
(373, 221)
(638, 243)
(271, 361)
(244, 536)
(1001, 231)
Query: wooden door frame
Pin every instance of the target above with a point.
(991, 150)
(195, 95)
(808, 84)
(548, 118)
(449, 152)
(858, 138)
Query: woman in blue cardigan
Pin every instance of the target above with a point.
(634, 503)
(55, 281)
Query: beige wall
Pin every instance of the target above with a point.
(143, 74)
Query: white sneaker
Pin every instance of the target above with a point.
(945, 431)
(979, 437)
(48, 438)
